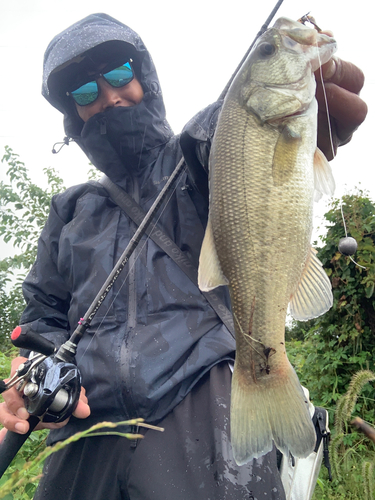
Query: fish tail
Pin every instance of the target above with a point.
(267, 412)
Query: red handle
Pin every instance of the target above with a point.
(24, 337)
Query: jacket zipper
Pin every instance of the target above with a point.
(127, 344)
(132, 303)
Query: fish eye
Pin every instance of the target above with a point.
(267, 49)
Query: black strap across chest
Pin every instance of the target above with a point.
(137, 214)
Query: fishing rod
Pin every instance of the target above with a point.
(50, 379)
(260, 33)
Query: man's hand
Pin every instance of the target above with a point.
(13, 414)
(343, 82)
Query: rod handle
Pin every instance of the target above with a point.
(12, 443)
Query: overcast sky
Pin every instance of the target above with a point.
(196, 45)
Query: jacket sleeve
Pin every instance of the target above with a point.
(45, 290)
(195, 141)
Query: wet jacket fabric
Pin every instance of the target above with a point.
(155, 335)
(191, 459)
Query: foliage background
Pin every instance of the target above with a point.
(24, 208)
(326, 352)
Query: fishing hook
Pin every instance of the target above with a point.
(260, 33)
(309, 19)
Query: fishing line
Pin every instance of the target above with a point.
(129, 269)
(333, 149)
(134, 263)
(326, 105)
(248, 336)
(264, 27)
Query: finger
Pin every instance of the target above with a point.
(347, 108)
(11, 421)
(3, 433)
(82, 410)
(13, 414)
(16, 362)
(83, 396)
(15, 404)
(342, 73)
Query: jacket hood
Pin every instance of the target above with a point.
(102, 36)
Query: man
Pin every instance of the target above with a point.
(156, 348)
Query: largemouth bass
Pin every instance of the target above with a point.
(264, 166)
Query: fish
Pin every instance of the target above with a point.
(264, 169)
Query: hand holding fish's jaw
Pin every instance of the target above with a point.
(277, 78)
(343, 82)
(282, 57)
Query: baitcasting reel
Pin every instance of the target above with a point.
(49, 381)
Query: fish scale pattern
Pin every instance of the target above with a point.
(261, 198)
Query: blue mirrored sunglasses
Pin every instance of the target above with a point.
(89, 92)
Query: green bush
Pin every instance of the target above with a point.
(24, 208)
(329, 351)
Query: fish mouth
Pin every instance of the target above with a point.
(300, 112)
(292, 85)
(299, 38)
(280, 119)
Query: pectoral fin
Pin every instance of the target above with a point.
(313, 296)
(285, 156)
(210, 274)
(324, 182)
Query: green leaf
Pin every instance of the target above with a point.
(369, 289)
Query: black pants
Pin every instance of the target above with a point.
(191, 460)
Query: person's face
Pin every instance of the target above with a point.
(109, 97)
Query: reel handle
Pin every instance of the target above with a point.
(24, 337)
